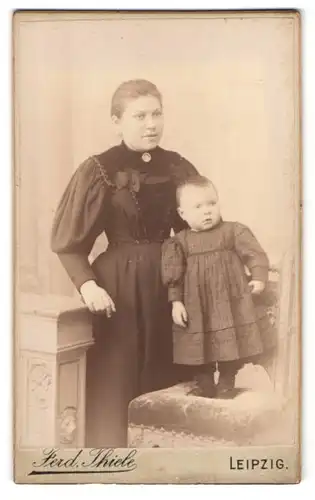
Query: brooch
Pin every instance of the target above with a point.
(146, 157)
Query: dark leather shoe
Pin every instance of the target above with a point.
(225, 387)
(205, 386)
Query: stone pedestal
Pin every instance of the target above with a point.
(53, 334)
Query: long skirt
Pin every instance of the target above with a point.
(133, 349)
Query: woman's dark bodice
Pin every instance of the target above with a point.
(147, 213)
(122, 194)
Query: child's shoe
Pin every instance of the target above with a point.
(225, 386)
(205, 386)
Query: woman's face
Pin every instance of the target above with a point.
(141, 124)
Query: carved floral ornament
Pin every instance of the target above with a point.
(68, 425)
(40, 383)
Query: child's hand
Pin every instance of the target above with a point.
(256, 287)
(179, 314)
(97, 299)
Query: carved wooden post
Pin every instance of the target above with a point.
(287, 365)
(53, 335)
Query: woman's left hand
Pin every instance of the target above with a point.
(256, 287)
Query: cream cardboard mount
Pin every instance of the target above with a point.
(231, 89)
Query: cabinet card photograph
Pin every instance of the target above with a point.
(157, 185)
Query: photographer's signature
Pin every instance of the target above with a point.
(104, 460)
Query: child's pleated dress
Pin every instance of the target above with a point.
(206, 271)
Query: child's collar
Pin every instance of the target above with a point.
(220, 222)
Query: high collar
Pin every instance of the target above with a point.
(120, 157)
(136, 157)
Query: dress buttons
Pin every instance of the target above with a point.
(146, 157)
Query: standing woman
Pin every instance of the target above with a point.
(127, 191)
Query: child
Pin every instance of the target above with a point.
(215, 320)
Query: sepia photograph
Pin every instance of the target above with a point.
(157, 187)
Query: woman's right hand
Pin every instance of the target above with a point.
(97, 299)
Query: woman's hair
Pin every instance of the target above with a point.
(195, 180)
(132, 89)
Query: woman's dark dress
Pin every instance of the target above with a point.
(133, 201)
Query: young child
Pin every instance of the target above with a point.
(215, 321)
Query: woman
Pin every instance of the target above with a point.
(129, 192)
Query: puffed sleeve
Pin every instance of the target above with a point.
(173, 268)
(79, 220)
(181, 168)
(251, 253)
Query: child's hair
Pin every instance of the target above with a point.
(132, 89)
(195, 180)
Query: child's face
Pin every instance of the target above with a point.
(141, 124)
(199, 207)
